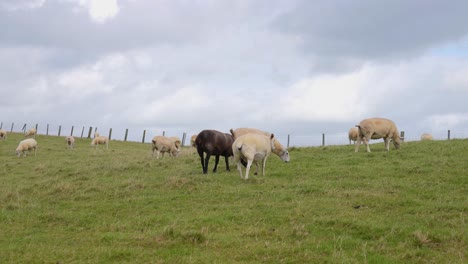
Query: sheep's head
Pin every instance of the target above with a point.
(18, 152)
(284, 155)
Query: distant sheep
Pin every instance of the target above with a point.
(279, 149)
(30, 133)
(70, 142)
(253, 148)
(162, 144)
(26, 145)
(375, 128)
(353, 134)
(192, 140)
(100, 140)
(96, 134)
(3, 134)
(426, 136)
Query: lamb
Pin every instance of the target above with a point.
(375, 128)
(426, 136)
(100, 140)
(70, 142)
(279, 149)
(353, 134)
(3, 134)
(164, 144)
(30, 133)
(253, 148)
(26, 145)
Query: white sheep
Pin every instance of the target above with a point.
(279, 149)
(253, 148)
(96, 134)
(192, 140)
(177, 142)
(100, 140)
(3, 134)
(375, 128)
(26, 145)
(163, 144)
(70, 142)
(353, 134)
(426, 136)
(30, 133)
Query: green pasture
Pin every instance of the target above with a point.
(328, 205)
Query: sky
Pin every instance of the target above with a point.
(291, 67)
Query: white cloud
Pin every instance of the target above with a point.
(442, 122)
(100, 10)
(16, 5)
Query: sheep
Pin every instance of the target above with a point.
(192, 140)
(426, 136)
(100, 140)
(164, 144)
(253, 148)
(26, 145)
(375, 128)
(279, 149)
(30, 133)
(213, 142)
(70, 142)
(96, 134)
(177, 142)
(3, 134)
(353, 134)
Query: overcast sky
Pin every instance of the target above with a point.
(293, 67)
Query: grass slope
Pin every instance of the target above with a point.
(329, 205)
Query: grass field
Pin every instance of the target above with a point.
(329, 205)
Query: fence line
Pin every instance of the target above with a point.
(343, 139)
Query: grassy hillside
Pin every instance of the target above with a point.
(329, 205)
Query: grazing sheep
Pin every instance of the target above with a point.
(353, 134)
(30, 133)
(192, 140)
(164, 144)
(426, 136)
(177, 142)
(216, 143)
(26, 145)
(375, 128)
(253, 148)
(100, 140)
(70, 142)
(3, 134)
(279, 149)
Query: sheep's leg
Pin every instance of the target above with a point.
(367, 143)
(247, 169)
(207, 160)
(239, 168)
(387, 144)
(226, 158)
(216, 163)
(200, 153)
(263, 166)
(357, 143)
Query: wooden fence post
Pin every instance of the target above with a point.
(24, 128)
(36, 130)
(110, 133)
(288, 142)
(47, 131)
(71, 134)
(82, 131)
(1, 125)
(402, 136)
(12, 124)
(323, 139)
(183, 138)
(90, 131)
(144, 134)
(60, 129)
(448, 134)
(164, 133)
(126, 134)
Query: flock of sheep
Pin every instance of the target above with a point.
(247, 145)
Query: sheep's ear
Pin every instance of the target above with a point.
(272, 136)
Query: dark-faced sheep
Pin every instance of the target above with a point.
(375, 128)
(216, 143)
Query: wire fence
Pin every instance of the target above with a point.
(143, 136)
